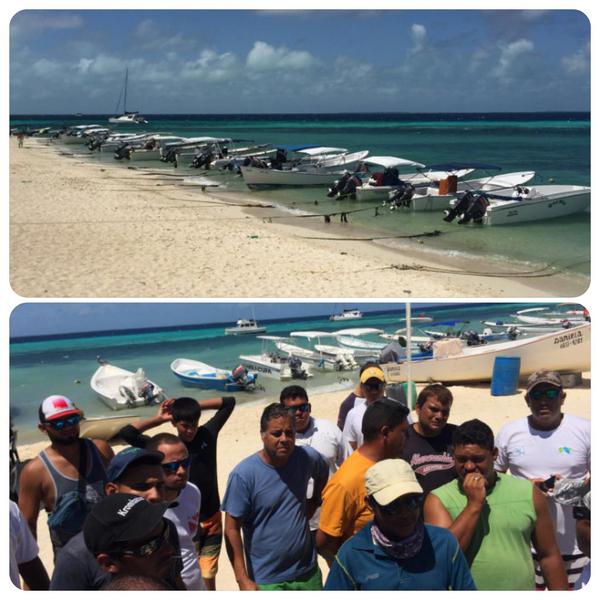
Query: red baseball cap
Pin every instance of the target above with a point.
(57, 407)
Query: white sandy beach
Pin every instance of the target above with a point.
(83, 229)
(240, 438)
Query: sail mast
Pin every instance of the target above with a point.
(125, 92)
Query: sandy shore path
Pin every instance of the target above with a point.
(83, 229)
(240, 437)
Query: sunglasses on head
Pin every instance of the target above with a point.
(551, 394)
(148, 548)
(59, 424)
(173, 466)
(410, 502)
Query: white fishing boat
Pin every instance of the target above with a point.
(316, 359)
(363, 349)
(438, 198)
(128, 117)
(274, 364)
(244, 327)
(119, 388)
(342, 356)
(506, 206)
(566, 351)
(76, 134)
(349, 314)
(256, 178)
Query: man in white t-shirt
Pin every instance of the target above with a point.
(322, 435)
(23, 553)
(544, 446)
(186, 513)
(372, 385)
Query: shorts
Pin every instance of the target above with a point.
(208, 544)
(574, 565)
(312, 582)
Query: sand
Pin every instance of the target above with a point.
(84, 229)
(240, 437)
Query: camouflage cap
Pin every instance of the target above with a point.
(544, 376)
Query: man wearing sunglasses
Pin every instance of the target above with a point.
(184, 497)
(68, 477)
(544, 446)
(320, 434)
(132, 471)
(130, 536)
(372, 386)
(395, 551)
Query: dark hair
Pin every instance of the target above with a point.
(293, 391)
(41, 414)
(274, 411)
(435, 390)
(381, 413)
(135, 582)
(474, 432)
(162, 438)
(185, 409)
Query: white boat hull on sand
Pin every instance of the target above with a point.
(565, 351)
(119, 388)
(270, 365)
(261, 178)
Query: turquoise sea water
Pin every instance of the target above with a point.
(65, 365)
(554, 145)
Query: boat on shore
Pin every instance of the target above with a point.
(245, 327)
(452, 362)
(274, 364)
(195, 373)
(119, 388)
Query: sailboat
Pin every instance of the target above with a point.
(128, 117)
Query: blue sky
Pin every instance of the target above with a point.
(232, 61)
(33, 319)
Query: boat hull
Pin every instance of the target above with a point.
(193, 373)
(567, 350)
(256, 178)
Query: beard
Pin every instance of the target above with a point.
(64, 440)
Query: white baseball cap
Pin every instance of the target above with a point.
(389, 479)
(57, 407)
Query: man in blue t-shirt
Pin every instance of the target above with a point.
(396, 551)
(266, 501)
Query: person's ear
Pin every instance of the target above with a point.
(110, 488)
(42, 428)
(107, 563)
(495, 453)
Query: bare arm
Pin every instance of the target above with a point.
(463, 527)
(235, 552)
(162, 416)
(544, 542)
(105, 451)
(327, 545)
(31, 493)
(583, 529)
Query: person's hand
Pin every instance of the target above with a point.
(247, 585)
(474, 488)
(164, 409)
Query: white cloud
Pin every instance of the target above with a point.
(510, 56)
(211, 66)
(264, 57)
(33, 22)
(578, 63)
(45, 68)
(419, 37)
(145, 29)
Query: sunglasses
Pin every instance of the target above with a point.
(410, 502)
(59, 424)
(149, 548)
(301, 407)
(174, 465)
(373, 385)
(551, 394)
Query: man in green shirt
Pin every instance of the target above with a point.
(495, 517)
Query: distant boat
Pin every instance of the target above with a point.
(347, 315)
(119, 388)
(128, 117)
(198, 374)
(245, 326)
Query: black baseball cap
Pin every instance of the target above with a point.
(130, 456)
(120, 518)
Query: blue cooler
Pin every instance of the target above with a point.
(505, 378)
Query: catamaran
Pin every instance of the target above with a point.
(128, 117)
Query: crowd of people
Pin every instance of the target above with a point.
(389, 503)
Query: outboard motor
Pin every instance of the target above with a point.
(472, 338)
(295, 365)
(169, 156)
(471, 207)
(241, 376)
(401, 198)
(279, 158)
(95, 143)
(123, 151)
(203, 160)
(147, 393)
(339, 185)
(512, 333)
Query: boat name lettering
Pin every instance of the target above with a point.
(569, 339)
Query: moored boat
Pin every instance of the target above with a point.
(198, 374)
(245, 326)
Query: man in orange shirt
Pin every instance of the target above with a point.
(344, 510)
